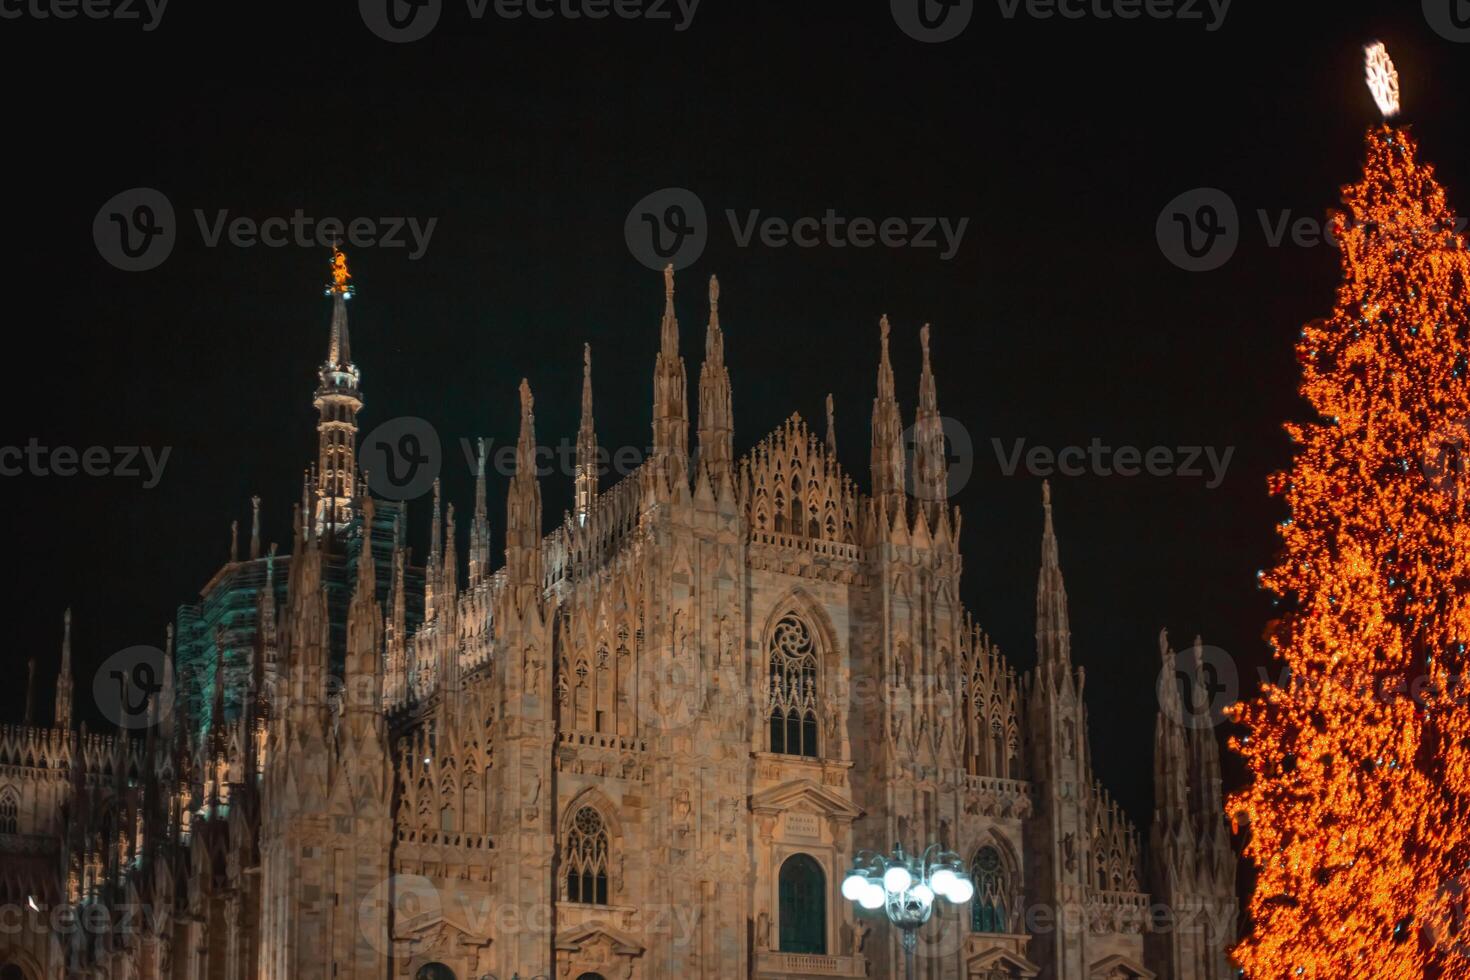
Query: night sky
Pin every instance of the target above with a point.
(1058, 321)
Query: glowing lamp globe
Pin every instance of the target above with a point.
(854, 886)
(961, 891)
(923, 894)
(897, 879)
(872, 897)
(943, 882)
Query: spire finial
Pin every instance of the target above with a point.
(669, 288)
(254, 527)
(527, 400)
(234, 542)
(341, 284)
(714, 295)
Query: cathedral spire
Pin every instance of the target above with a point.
(1205, 760)
(670, 384)
(395, 633)
(338, 400)
(931, 470)
(1053, 633)
(523, 506)
(585, 490)
(63, 680)
(362, 667)
(480, 524)
(716, 422)
(436, 557)
(831, 440)
(887, 450)
(1171, 762)
(254, 528)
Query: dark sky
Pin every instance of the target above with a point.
(1058, 320)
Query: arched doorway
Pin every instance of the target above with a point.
(591, 976)
(803, 906)
(12, 972)
(429, 971)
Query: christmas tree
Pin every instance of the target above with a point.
(1360, 760)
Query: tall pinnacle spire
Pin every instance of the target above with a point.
(63, 680)
(585, 491)
(887, 450)
(254, 528)
(363, 664)
(670, 384)
(716, 422)
(435, 564)
(831, 441)
(931, 470)
(338, 400)
(523, 506)
(1053, 633)
(480, 524)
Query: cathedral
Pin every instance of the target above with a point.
(646, 745)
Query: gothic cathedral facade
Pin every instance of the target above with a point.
(645, 746)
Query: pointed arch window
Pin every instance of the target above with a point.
(9, 812)
(988, 907)
(803, 906)
(792, 707)
(586, 858)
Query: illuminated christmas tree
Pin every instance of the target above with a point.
(1357, 809)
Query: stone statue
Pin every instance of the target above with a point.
(763, 931)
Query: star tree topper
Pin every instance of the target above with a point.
(1383, 79)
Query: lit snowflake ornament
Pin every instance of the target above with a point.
(1383, 79)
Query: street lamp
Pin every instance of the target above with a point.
(907, 888)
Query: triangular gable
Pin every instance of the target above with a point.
(999, 956)
(1108, 967)
(577, 937)
(789, 794)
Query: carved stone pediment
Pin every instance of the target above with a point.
(595, 947)
(1119, 967)
(807, 794)
(997, 962)
(597, 933)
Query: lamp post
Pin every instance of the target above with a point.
(907, 887)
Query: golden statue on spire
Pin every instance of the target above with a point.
(341, 284)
